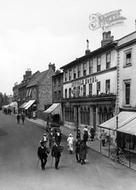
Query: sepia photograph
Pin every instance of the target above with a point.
(67, 95)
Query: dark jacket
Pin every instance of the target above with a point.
(85, 136)
(56, 151)
(77, 146)
(83, 150)
(42, 152)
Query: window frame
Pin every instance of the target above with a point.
(126, 52)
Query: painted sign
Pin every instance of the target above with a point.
(104, 21)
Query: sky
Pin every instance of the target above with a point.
(34, 33)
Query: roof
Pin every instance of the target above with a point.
(124, 117)
(93, 53)
(54, 108)
(36, 78)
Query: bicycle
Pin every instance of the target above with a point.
(118, 155)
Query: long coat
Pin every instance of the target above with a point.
(83, 150)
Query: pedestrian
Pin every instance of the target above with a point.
(45, 138)
(85, 134)
(92, 132)
(82, 152)
(23, 118)
(77, 149)
(18, 118)
(70, 141)
(102, 137)
(78, 135)
(58, 136)
(42, 153)
(51, 138)
(56, 153)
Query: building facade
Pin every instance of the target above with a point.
(89, 86)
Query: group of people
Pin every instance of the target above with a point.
(50, 144)
(80, 145)
(20, 117)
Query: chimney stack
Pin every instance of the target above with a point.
(107, 38)
(52, 66)
(87, 51)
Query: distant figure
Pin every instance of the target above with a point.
(83, 152)
(23, 118)
(42, 153)
(18, 118)
(77, 149)
(70, 141)
(58, 136)
(103, 137)
(78, 135)
(92, 132)
(56, 153)
(44, 138)
(85, 134)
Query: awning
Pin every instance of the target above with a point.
(54, 109)
(129, 128)
(124, 118)
(24, 105)
(29, 104)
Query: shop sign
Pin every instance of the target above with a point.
(104, 21)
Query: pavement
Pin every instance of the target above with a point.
(19, 169)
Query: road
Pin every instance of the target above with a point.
(19, 169)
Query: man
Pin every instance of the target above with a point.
(83, 151)
(77, 149)
(56, 153)
(85, 134)
(18, 118)
(43, 152)
(23, 118)
(92, 132)
(58, 136)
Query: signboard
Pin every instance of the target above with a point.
(104, 21)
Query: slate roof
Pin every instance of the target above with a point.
(36, 78)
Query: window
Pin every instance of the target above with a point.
(108, 60)
(90, 66)
(85, 115)
(69, 114)
(128, 57)
(98, 88)
(127, 92)
(55, 95)
(70, 74)
(66, 76)
(107, 86)
(69, 92)
(98, 64)
(90, 89)
(84, 69)
(74, 69)
(79, 70)
(84, 90)
(65, 93)
(59, 94)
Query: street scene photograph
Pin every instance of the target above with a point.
(67, 95)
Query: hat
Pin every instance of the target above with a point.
(70, 135)
(44, 134)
